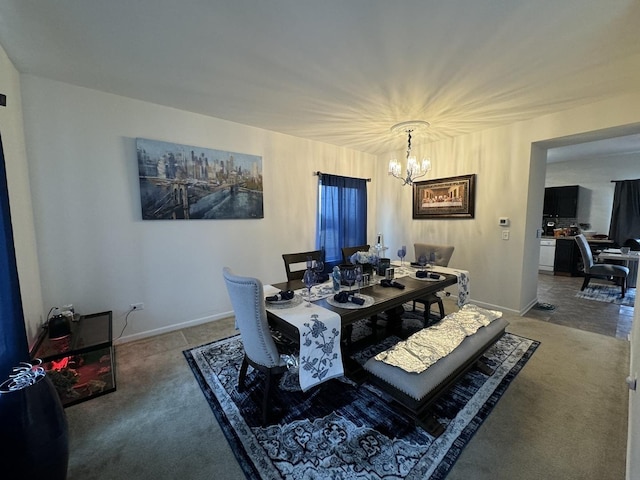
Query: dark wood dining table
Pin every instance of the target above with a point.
(386, 299)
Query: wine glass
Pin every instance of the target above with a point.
(422, 261)
(349, 276)
(432, 259)
(318, 267)
(309, 279)
(358, 276)
(402, 252)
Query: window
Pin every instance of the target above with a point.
(342, 215)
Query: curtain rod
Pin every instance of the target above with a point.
(629, 180)
(319, 174)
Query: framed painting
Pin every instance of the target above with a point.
(180, 182)
(452, 197)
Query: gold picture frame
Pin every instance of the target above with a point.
(451, 197)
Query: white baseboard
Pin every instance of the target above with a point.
(220, 316)
(171, 328)
(500, 308)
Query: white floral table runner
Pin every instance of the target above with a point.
(320, 330)
(318, 292)
(462, 286)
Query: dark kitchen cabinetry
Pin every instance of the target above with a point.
(561, 202)
(568, 260)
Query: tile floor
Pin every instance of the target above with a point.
(571, 311)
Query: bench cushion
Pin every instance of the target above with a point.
(419, 385)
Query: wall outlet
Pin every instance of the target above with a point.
(137, 306)
(505, 234)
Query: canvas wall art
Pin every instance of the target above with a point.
(184, 182)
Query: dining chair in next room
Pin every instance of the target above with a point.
(618, 273)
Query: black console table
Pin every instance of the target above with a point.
(82, 364)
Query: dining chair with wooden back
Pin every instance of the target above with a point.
(295, 263)
(618, 272)
(260, 349)
(441, 255)
(347, 252)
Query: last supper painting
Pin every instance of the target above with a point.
(181, 182)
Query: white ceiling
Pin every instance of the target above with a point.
(607, 147)
(337, 71)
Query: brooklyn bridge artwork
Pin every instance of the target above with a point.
(184, 182)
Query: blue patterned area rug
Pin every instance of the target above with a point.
(342, 430)
(608, 294)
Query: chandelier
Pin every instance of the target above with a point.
(414, 169)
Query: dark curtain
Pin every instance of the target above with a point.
(625, 215)
(342, 215)
(14, 347)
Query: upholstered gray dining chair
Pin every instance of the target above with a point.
(260, 350)
(442, 254)
(607, 270)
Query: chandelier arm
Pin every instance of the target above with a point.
(420, 176)
(404, 181)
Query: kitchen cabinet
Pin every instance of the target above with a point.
(561, 202)
(568, 260)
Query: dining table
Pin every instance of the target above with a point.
(316, 323)
(629, 260)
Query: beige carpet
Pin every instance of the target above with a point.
(563, 417)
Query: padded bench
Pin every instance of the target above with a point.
(416, 391)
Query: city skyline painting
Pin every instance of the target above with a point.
(185, 182)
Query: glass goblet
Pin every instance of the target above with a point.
(358, 276)
(349, 276)
(432, 260)
(309, 279)
(422, 261)
(402, 252)
(318, 267)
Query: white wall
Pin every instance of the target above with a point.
(94, 249)
(96, 252)
(500, 160)
(594, 176)
(11, 128)
(510, 167)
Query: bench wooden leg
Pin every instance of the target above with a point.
(430, 423)
(482, 366)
